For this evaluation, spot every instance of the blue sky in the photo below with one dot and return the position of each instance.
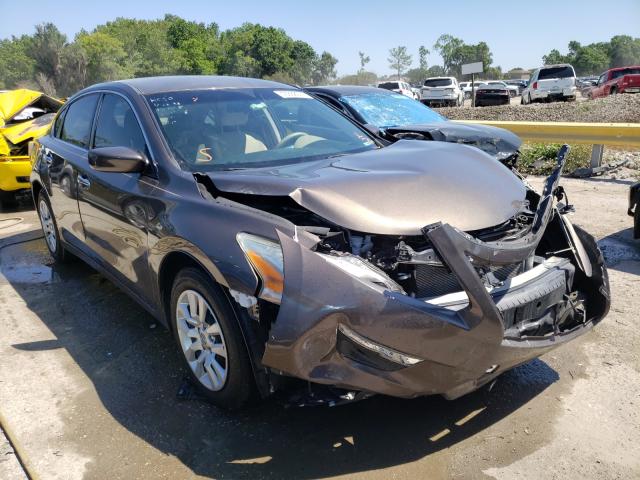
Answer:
(518, 32)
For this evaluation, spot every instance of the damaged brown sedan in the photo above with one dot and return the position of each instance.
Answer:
(281, 242)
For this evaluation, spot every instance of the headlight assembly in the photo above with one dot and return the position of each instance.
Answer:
(265, 257)
(363, 270)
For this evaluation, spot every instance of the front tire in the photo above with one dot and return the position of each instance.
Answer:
(210, 341)
(636, 222)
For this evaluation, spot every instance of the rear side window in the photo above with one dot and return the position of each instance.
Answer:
(626, 71)
(389, 85)
(117, 125)
(556, 72)
(76, 128)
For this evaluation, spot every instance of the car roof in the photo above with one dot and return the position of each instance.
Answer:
(556, 65)
(173, 83)
(343, 90)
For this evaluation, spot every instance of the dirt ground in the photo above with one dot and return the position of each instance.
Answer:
(88, 386)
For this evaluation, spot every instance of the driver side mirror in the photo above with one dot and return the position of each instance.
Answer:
(117, 160)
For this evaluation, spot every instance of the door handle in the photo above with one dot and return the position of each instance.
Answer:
(83, 182)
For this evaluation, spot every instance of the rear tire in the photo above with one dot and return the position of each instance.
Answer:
(50, 228)
(210, 341)
(636, 222)
(614, 91)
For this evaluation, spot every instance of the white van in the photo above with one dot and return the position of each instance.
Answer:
(551, 83)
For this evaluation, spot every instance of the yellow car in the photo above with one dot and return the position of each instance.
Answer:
(24, 116)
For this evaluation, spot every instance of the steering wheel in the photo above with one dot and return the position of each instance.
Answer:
(290, 139)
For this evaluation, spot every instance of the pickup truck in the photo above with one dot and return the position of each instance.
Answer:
(617, 80)
(551, 83)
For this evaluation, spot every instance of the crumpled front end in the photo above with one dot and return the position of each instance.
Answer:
(24, 116)
(444, 318)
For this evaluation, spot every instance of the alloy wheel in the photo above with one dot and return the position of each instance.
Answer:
(48, 227)
(202, 340)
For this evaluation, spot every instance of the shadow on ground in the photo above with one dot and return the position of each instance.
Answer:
(135, 371)
(619, 249)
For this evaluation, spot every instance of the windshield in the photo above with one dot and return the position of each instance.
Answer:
(390, 110)
(244, 128)
(437, 82)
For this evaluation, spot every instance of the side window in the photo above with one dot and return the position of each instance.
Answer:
(117, 125)
(57, 128)
(76, 127)
(603, 78)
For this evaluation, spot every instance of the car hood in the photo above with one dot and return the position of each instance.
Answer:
(393, 190)
(497, 142)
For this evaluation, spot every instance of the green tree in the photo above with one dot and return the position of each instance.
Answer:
(361, 78)
(324, 68)
(554, 57)
(147, 45)
(73, 70)
(46, 48)
(450, 49)
(624, 50)
(198, 44)
(17, 67)
(436, 71)
(106, 58)
(455, 53)
(304, 61)
(399, 60)
(423, 52)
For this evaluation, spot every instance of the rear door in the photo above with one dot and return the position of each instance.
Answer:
(64, 152)
(116, 207)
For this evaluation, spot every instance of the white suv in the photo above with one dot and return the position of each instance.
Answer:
(442, 91)
(399, 87)
(551, 83)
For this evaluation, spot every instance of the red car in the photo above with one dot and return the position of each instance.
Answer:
(617, 80)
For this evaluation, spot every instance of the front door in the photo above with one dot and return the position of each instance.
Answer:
(114, 206)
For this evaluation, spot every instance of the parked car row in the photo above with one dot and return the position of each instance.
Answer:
(346, 237)
(399, 87)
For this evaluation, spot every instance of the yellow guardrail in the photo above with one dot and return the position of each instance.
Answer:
(620, 134)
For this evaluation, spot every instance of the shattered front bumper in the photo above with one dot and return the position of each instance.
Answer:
(333, 328)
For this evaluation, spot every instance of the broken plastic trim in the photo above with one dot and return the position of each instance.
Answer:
(456, 249)
(385, 352)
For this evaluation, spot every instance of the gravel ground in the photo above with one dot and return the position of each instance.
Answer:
(617, 108)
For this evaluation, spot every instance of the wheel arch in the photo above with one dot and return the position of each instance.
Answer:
(36, 187)
(177, 260)
(170, 265)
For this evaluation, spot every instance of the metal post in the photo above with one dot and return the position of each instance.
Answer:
(473, 89)
(596, 155)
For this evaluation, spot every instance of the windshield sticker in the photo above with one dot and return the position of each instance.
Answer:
(291, 94)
